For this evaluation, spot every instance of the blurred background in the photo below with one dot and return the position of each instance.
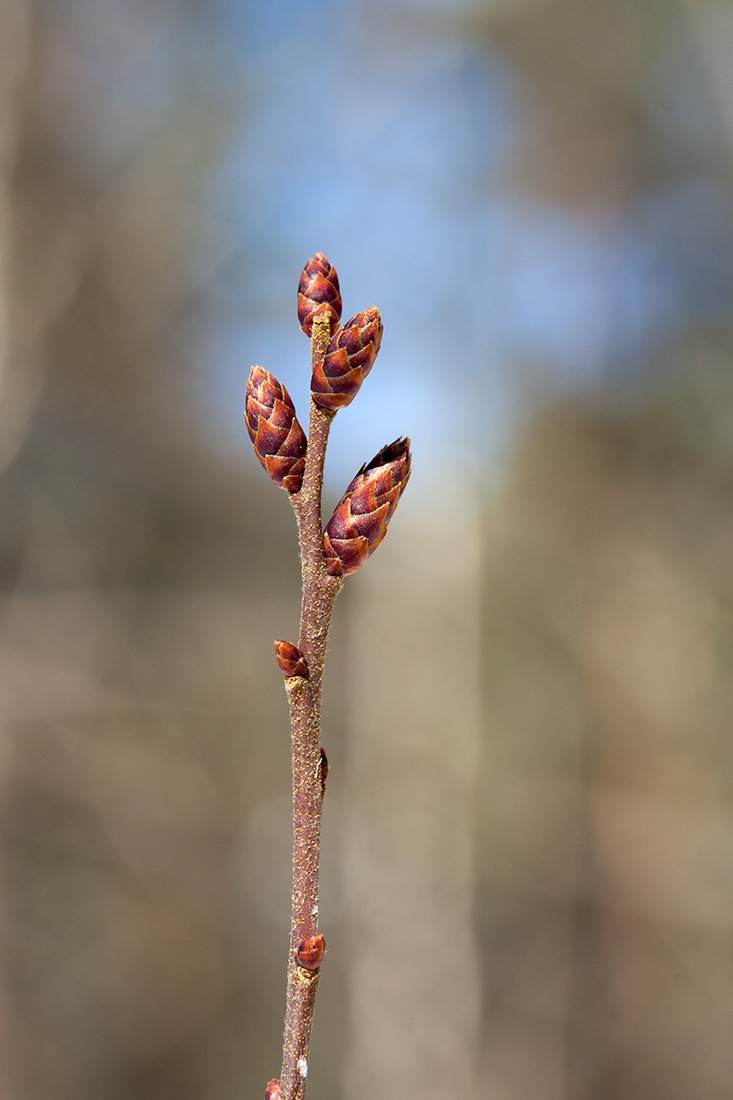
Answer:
(528, 852)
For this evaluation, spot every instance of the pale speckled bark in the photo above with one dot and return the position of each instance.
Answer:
(319, 593)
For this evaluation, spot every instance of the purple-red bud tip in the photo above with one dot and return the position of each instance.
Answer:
(311, 952)
(279, 441)
(360, 520)
(318, 293)
(337, 378)
(291, 660)
(272, 1089)
(324, 767)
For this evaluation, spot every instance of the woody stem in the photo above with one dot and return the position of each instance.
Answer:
(304, 695)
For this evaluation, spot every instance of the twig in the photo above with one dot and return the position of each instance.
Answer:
(319, 592)
(339, 364)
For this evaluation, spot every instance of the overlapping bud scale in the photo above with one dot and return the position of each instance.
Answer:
(360, 520)
(311, 952)
(337, 377)
(278, 438)
(318, 293)
(291, 660)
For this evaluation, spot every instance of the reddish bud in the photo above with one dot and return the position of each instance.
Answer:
(272, 1090)
(278, 438)
(359, 523)
(311, 952)
(337, 377)
(324, 768)
(318, 292)
(291, 660)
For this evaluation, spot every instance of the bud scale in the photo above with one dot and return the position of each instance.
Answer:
(318, 293)
(360, 520)
(337, 378)
(291, 660)
(311, 952)
(279, 441)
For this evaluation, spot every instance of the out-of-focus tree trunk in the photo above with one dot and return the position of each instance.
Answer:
(16, 396)
(18, 378)
(415, 729)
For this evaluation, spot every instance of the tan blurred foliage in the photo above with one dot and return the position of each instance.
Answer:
(607, 809)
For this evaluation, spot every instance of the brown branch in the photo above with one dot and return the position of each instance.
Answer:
(356, 528)
(319, 592)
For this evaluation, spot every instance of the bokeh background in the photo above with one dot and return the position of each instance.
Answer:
(528, 852)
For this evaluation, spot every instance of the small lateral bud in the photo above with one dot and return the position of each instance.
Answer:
(291, 660)
(318, 292)
(279, 441)
(311, 952)
(272, 1089)
(360, 520)
(337, 378)
(324, 768)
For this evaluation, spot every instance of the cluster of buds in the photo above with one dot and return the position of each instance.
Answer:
(341, 359)
(360, 521)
